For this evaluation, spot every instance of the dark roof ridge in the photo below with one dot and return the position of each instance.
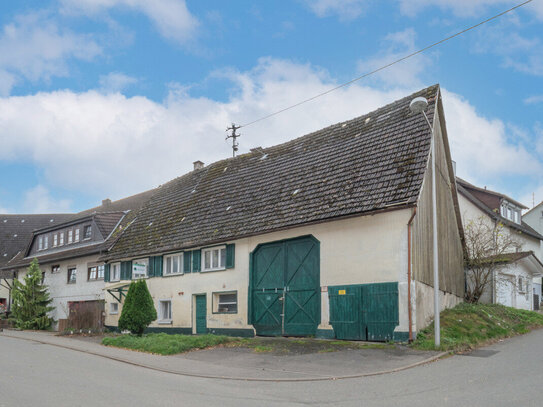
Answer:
(466, 184)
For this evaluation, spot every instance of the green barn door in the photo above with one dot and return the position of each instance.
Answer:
(380, 306)
(201, 314)
(345, 312)
(302, 282)
(285, 288)
(267, 289)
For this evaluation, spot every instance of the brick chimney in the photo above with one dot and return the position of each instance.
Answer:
(106, 202)
(198, 165)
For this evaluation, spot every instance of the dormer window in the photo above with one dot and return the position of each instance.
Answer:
(40, 243)
(87, 232)
(45, 242)
(510, 211)
(76, 239)
(55, 240)
(70, 236)
(61, 238)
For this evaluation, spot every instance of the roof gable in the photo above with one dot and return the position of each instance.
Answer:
(374, 162)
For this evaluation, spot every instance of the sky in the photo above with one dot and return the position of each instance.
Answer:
(107, 98)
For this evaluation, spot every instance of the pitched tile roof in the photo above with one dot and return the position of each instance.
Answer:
(16, 231)
(374, 162)
(522, 227)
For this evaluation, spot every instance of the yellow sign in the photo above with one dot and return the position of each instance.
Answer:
(341, 292)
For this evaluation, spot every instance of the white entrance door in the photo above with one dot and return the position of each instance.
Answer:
(506, 293)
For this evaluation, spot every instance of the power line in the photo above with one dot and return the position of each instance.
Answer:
(387, 65)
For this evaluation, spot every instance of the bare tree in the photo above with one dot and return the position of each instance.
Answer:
(488, 245)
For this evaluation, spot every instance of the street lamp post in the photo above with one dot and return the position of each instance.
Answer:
(419, 105)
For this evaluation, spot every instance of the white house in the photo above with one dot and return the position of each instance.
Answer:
(534, 218)
(512, 283)
(326, 235)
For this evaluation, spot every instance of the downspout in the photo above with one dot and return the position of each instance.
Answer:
(409, 311)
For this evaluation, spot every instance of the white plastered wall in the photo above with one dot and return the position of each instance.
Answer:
(360, 250)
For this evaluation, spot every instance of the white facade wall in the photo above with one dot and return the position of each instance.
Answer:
(367, 249)
(61, 292)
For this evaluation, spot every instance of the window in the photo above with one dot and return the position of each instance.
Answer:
(214, 258)
(520, 284)
(115, 272)
(61, 238)
(165, 311)
(139, 268)
(76, 238)
(70, 236)
(87, 232)
(55, 269)
(509, 213)
(45, 242)
(225, 302)
(503, 211)
(101, 269)
(113, 308)
(173, 264)
(72, 275)
(42, 276)
(96, 273)
(40, 243)
(55, 240)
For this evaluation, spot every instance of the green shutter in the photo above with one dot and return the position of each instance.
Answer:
(106, 272)
(196, 262)
(186, 262)
(230, 255)
(126, 270)
(158, 266)
(151, 267)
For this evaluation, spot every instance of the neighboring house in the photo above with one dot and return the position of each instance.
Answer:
(534, 218)
(15, 233)
(512, 284)
(326, 235)
(68, 255)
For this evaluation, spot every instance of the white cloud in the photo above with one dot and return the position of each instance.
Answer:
(171, 18)
(465, 8)
(394, 46)
(116, 82)
(39, 200)
(345, 9)
(33, 47)
(113, 145)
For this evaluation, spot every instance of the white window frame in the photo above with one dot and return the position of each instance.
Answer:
(210, 250)
(217, 302)
(113, 267)
(70, 236)
(113, 305)
(61, 239)
(161, 316)
(170, 258)
(40, 243)
(76, 235)
(85, 231)
(55, 240)
(141, 261)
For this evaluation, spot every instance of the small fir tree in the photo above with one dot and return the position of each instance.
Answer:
(138, 309)
(31, 301)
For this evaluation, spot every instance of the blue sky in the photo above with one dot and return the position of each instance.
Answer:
(106, 98)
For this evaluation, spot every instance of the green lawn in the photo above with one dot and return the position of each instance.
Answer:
(467, 326)
(165, 344)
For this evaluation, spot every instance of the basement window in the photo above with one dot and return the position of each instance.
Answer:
(113, 308)
(214, 258)
(165, 311)
(225, 302)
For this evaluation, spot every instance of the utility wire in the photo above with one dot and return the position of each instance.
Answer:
(386, 66)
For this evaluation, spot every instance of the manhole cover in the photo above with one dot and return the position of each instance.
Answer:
(481, 353)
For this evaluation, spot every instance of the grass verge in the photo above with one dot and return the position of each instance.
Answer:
(468, 326)
(166, 344)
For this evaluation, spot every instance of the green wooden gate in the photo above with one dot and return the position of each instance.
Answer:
(201, 314)
(364, 311)
(285, 288)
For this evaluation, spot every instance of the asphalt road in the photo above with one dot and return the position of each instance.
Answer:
(507, 373)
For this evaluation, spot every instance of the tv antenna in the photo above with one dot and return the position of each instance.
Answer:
(233, 136)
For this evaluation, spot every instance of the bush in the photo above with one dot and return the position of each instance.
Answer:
(138, 309)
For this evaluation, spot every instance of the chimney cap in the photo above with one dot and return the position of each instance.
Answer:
(106, 202)
(198, 164)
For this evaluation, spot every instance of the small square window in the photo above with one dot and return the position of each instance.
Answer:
(225, 302)
(55, 269)
(173, 264)
(113, 308)
(165, 311)
(72, 275)
(87, 232)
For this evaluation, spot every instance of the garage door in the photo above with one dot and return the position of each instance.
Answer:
(285, 288)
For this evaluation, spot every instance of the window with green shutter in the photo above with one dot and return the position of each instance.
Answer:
(187, 262)
(155, 266)
(196, 266)
(106, 272)
(126, 270)
(230, 255)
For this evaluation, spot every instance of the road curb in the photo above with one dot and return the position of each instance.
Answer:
(245, 379)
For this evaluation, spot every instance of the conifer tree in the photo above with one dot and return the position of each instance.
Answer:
(31, 301)
(138, 309)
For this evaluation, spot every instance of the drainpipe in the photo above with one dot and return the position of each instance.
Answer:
(409, 311)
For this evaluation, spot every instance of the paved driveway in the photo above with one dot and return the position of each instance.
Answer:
(507, 373)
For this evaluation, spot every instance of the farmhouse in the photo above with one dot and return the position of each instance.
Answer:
(68, 252)
(328, 235)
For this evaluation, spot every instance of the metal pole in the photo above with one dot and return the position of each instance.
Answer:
(437, 324)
